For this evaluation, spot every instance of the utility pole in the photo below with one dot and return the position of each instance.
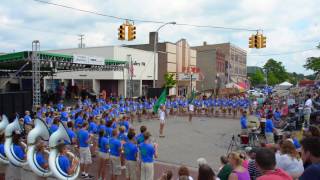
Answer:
(81, 45)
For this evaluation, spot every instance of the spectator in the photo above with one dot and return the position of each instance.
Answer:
(289, 159)
(202, 161)
(239, 172)
(252, 167)
(206, 173)
(307, 112)
(226, 168)
(311, 153)
(167, 175)
(183, 173)
(314, 131)
(147, 152)
(245, 161)
(266, 162)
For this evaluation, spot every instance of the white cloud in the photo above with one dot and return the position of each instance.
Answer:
(289, 24)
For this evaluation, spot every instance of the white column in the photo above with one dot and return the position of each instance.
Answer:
(125, 88)
(96, 86)
(140, 91)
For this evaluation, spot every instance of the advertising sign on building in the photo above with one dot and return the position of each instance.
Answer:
(84, 59)
(184, 76)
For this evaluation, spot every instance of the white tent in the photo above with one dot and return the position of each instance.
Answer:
(284, 85)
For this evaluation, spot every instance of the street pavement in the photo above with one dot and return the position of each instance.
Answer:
(183, 144)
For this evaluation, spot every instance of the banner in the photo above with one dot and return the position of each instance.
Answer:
(161, 100)
(90, 60)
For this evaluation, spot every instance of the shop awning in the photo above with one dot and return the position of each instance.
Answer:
(12, 61)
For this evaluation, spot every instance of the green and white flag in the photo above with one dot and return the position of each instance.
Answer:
(161, 100)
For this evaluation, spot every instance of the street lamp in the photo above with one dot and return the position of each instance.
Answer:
(155, 51)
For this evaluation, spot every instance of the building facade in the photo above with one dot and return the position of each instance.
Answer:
(174, 58)
(235, 61)
(131, 81)
(212, 65)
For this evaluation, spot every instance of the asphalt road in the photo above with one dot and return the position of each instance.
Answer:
(183, 144)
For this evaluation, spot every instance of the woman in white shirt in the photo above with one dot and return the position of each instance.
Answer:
(162, 118)
(289, 159)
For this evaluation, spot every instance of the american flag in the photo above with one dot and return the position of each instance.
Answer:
(131, 69)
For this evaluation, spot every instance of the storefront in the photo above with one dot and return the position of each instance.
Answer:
(133, 80)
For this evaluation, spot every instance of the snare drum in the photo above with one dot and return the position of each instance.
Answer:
(278, 137)
(244, 139)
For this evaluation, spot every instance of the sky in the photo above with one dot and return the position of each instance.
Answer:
(292, 27)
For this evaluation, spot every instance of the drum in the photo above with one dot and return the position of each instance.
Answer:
(244, 139)
(262, 126)
(278, 137)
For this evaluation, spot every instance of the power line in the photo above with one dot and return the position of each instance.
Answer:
(37, 30)
(143, 20)
(284, 53)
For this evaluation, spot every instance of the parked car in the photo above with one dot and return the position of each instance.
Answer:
(255, 93)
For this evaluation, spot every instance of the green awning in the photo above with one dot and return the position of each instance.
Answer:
(24, 55)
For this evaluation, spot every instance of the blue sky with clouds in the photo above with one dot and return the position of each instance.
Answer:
(290, 25)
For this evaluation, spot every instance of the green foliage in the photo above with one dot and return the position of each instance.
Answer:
(313, 63)
(272, 79)
(169, 80)
(294, 78)
(257, 78)
(311, 77)
(276, 72)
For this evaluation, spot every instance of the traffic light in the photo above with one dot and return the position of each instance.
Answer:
(122, 32)
(131, 32)
(251, 41)
(263, 41)
(258, 44)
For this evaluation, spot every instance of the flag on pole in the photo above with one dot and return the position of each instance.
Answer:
(161, 100)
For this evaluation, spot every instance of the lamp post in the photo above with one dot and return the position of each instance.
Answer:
(191, 73)
(155, 51)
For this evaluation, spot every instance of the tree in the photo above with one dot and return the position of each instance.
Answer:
(257, 78)
(272, 79)
(169, 80)
(276, 71)
(294, 78)
(313, 63)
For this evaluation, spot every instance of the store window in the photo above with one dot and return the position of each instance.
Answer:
(84, 83)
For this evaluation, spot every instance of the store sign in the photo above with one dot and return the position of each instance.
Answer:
(184, 76)
(90, 60)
